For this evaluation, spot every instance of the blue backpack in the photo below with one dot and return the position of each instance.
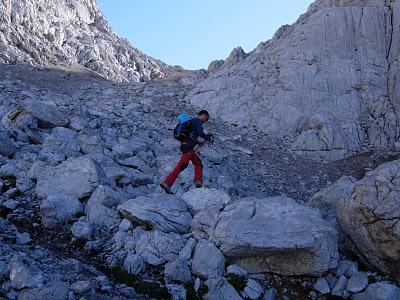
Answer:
(182, 130)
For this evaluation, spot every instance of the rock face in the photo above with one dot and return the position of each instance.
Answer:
(329, 81)
(371, 217)
(71, 33)
(276, 235)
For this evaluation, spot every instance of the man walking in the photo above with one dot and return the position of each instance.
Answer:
(189, 145)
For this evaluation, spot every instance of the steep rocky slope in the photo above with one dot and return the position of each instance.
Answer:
(329, 82)
(71, 33)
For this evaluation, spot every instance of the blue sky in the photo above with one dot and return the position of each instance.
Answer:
(192, 33)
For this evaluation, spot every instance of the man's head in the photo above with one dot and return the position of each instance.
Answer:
(203, 115)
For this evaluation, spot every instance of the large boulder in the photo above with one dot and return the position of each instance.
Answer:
(370, 217)
(166, 213)
(46, 113)
(198, 199)
(76, 177)
(327, 200)
(276, 235)
(58, 209)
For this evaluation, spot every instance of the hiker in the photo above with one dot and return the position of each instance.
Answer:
(190, 133)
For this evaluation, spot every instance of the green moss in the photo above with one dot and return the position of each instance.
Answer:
(152, 289)
(123, 276)
(238, 282)
(191, 294)
(202, 290)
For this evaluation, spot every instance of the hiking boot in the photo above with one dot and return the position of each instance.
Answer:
(198, 184)
(166, 188)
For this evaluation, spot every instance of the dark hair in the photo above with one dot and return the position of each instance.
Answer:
(204, 112)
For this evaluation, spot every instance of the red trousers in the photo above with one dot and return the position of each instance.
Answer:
(183, 164)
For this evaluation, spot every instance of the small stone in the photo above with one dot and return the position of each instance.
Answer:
(81, 230)
(81, 287)
(125, 225)
(177, 270)
(322, 286)
(253, 289)
(134, 264)
(340, 286)
(357, 283)
(23, 238)
(235, 269)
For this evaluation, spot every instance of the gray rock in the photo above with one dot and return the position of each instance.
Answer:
(58, 209)
(204, 221)
(56, 291)
(78, 177)
(370, 217)
(235, 269)
(327, 200)
(81, 230)
(78, 123)
(340, 286)
(125, 225)
(187, 251)
(253, 289)
(346, 267)
(198, 199)
(379, 291)
(178, 270)
(23, 238)
(60, 144)
(166, 213)
(81, 287)
(100, 216)
(7, 146)
(46, 113)
(357, 283)
(22, 276)
(276, 235)
(270, 294)
(322, 286)
(134, 264)
(177, 292)
(220, 289)
(208, 261)
(157, 247)
(105, 195)
(90, 144)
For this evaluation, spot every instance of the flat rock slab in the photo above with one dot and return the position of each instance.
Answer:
(198, 199)
(166, 213)
(276, 235)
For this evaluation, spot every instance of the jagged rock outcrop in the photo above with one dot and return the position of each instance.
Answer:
(329, 82)
(71, 33)
(371, 217)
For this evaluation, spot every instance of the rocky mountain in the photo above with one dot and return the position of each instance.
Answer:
(82, 215)
(329, 83)
(71, 33)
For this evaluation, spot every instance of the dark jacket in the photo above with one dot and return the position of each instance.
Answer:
(196, 131)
